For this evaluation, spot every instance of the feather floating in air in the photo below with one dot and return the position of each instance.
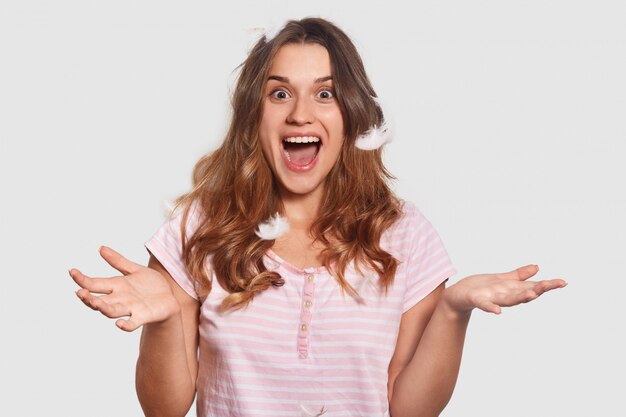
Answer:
(273, 227)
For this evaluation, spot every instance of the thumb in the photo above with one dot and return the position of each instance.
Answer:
(129, 325)
(117, 261)
(522, 273)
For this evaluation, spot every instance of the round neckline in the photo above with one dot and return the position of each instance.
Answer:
(308, 270)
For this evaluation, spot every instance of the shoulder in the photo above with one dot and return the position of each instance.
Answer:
(411, 233)
(411, 218)
(409, 210)
(189, 214)
(167, 243)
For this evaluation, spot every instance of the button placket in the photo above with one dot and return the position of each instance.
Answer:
(306, 315)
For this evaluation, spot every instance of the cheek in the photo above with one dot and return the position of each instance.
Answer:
(266, 148)
(265, 133)
(271, 120)
(333, 119)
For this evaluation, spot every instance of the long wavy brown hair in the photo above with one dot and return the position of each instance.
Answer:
(235, 189)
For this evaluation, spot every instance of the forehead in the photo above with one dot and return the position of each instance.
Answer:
(309, 60)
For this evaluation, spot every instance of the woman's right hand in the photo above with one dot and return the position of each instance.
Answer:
(141, 293)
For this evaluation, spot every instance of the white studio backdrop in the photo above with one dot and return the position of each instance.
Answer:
(510, 138)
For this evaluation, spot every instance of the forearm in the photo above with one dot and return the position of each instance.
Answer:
(425, 385)
(165, 386)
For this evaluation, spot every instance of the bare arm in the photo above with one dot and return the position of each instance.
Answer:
(149, 297)
(425, 385)
(168, 365)
(412, 327)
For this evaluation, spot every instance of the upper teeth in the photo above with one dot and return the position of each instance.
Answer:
(303, 139)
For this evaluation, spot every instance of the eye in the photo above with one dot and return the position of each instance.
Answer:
(326, 94)
(279, 94)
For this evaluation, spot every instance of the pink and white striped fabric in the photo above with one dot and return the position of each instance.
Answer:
(304, 349)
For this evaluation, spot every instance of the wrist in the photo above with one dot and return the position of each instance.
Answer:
(169, 313)
(447, 308)
(172, 323)
(173, 312)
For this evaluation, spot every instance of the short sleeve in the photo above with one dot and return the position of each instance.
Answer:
(427, 262)
(166, 246)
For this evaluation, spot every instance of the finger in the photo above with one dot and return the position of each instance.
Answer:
(128, 325)
(115, 298)
(98, 285)
(549, 285)
(119, 262)
(525, 296)
(82, 295)
(488, 306)
(521, 273)
(530, 293)
(87, 298)
(113, 311)
(110, 310)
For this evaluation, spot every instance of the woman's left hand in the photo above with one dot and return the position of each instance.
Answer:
(490, 292)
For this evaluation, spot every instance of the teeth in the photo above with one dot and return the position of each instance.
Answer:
(302, 139)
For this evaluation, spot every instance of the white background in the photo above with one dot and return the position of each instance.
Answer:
(510, 138)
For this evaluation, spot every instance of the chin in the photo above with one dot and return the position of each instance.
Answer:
(300, 186)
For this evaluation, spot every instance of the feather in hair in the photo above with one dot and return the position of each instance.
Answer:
(374, 138)
(377, 136)
(272, 228)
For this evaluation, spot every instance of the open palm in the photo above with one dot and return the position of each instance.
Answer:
(142, 294)
(491, 292)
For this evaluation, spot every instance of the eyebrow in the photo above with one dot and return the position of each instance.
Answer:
(286, 80)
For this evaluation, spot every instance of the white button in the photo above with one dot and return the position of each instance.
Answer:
(308, 303)
(309, 278)
(303, 327)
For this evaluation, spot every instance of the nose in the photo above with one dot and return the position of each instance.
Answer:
(301, 113)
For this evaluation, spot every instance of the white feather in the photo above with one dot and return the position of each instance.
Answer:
(374, 138)
(377, 136)
(273, 227)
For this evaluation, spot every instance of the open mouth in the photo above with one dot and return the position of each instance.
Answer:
(302, 150)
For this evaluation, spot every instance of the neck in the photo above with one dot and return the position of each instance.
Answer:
(301, 209)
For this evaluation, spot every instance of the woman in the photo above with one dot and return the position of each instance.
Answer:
(345, 312)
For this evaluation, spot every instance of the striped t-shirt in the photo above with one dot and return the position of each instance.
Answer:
(304, 349)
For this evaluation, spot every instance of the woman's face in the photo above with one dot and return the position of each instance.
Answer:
(301, 129)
